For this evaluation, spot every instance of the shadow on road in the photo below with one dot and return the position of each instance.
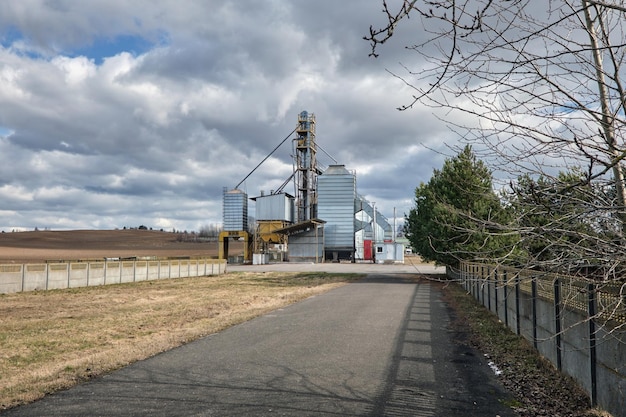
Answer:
(433, 371)
(379, 347)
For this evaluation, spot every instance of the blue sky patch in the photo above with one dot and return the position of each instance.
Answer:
(9, 36)
(103, 48)
(5, 131)
(99, 49)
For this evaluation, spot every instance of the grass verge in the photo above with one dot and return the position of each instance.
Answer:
(540, 389)
(53, 340)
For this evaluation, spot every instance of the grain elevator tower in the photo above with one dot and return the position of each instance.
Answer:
(306, 167)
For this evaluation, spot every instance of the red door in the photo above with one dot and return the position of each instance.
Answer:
(367, 250)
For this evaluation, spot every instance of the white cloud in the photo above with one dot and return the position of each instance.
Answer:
(105, 138)
(76, 70)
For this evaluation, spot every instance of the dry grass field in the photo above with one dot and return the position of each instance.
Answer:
(50, 340)
(38, 246)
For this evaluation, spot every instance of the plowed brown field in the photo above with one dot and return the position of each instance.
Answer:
(40, 246)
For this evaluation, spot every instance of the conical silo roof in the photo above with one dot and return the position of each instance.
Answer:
(336, 170)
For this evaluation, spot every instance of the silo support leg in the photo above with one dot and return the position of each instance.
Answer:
(223, 246)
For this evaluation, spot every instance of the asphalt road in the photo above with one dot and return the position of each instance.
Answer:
(357, 268)
(378, 347)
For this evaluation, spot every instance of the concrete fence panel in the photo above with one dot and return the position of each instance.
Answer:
(35, 277)
(489, 293)
(501, 297)
(576, 349)
(112, 272)
(511, 319)
(127, 274)
(545, 329)
(141, 271)
(79, 275)
(58, 276)
(13, 278)
(174, 269)
(525, 315)
(164, 270)
(153, 270)
(184, 269)
(611, 368)
(96, 273)
(580, 326)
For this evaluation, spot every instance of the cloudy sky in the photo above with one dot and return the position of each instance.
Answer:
(116, 113)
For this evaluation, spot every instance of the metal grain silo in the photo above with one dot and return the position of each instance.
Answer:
(336, 194)
(273, 212)
(275, 207)
(235, 210)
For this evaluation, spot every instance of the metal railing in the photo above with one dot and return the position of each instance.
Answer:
(577, 324)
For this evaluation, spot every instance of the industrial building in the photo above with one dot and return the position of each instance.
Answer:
(326, 221)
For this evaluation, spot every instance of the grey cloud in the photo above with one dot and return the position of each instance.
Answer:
(153, 138)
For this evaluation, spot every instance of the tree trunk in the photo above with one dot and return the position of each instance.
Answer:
(607, 118)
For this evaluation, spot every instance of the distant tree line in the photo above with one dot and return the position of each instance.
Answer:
(210, 230)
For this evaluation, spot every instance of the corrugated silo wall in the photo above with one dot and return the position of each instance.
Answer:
(336, 192)
(235, 210)
(274, 207)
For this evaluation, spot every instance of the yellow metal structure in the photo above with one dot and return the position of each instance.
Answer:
(239, 235)
(265, 234)
(266, 230)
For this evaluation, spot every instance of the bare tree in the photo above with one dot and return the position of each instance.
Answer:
(536, 88)
(541, 84)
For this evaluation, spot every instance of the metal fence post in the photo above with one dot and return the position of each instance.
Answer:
(488, 281)
(592, 344)
(506, 299)
(496, 281)
(482, 285)
(473, 280)
(557, 322)
(518, 328)
(476, 283)
(533, 296)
